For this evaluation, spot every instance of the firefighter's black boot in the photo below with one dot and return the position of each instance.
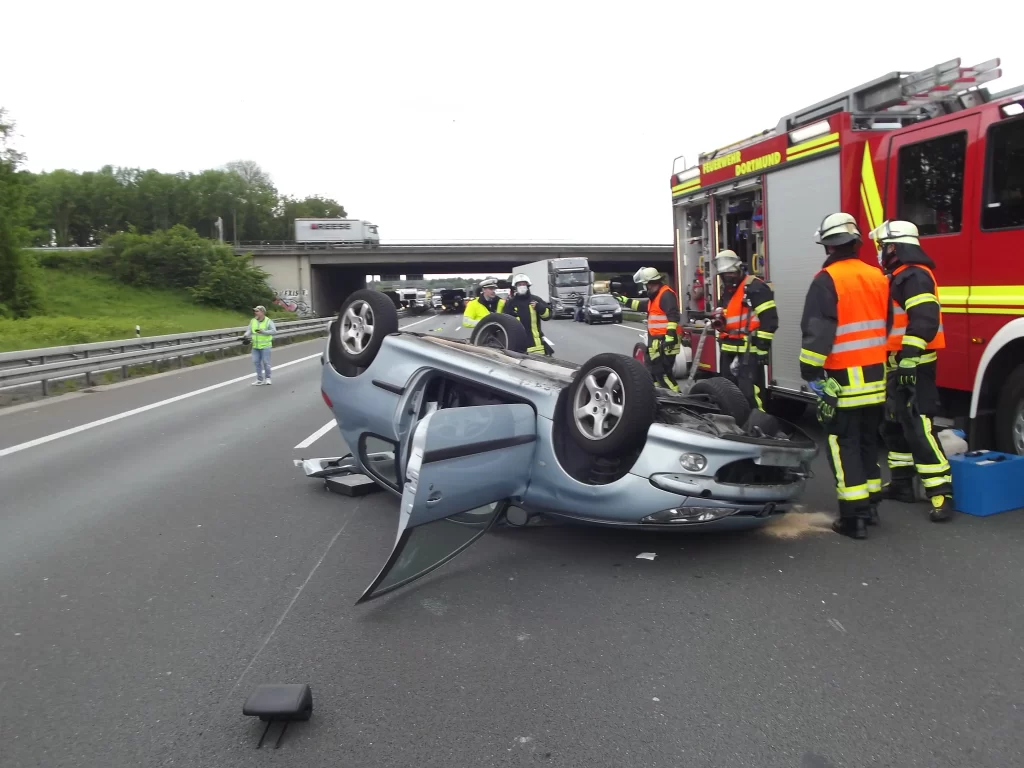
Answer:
(854, 527)
(900, 489)
(873, 518)
(942, 509)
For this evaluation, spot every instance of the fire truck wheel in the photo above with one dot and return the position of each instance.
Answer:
(1010, 422)
(640, 352)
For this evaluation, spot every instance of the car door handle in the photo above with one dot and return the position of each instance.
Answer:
(433, 498)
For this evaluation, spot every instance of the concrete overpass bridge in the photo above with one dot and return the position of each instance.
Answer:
(324, 277)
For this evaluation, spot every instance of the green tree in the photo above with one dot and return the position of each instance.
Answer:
(19, 285)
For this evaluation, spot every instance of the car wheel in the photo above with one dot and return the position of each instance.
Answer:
(500, 332)
(366, 317)
(770, 426)
(640, 353)
(611, 405)
(725, 395)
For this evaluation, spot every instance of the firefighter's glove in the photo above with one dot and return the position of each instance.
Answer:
(827, 391)
(906, 374)
(671, 339)
(654, 347)
(621, 299)
(734, 366)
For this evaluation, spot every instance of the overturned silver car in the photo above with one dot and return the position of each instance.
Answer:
(473, 433)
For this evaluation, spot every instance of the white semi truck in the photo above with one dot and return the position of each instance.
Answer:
(560, 282)
(336, 233)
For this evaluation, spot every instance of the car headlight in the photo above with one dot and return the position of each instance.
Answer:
(693, 462)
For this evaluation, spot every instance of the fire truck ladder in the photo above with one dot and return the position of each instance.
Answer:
(902, 97)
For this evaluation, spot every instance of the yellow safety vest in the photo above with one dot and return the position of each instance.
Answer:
(477, 311)
(260, 340)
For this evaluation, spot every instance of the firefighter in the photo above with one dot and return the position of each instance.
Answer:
(846, 318)
(912, 395)
(662, 308)
(488, 301)
(747, 322)
(529, 310)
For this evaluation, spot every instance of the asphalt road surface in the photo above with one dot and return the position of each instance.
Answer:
(160, 563)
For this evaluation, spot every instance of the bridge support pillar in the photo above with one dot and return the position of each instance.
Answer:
(331, 285)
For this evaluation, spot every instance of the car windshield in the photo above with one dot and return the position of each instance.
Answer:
(569, 279)
(601, 301)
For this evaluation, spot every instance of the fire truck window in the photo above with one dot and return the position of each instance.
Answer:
(932, 184)
(1004, 177)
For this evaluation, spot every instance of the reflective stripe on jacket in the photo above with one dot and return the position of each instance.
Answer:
(862, 310)
(898, 337)
(844, 330)
(734, 338)
(657, 320)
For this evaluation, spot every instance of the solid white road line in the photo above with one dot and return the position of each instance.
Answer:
(151, 406)
(410, 325)
(318, 434)
(143, 409)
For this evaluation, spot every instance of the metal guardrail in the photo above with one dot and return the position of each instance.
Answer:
(44, 365)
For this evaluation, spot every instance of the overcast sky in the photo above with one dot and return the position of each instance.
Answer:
(453, 121)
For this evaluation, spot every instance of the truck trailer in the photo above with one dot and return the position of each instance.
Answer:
(932, 148)
(560, 282)
(336, 233)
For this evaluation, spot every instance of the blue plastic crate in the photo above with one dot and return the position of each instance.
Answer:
(987, 482)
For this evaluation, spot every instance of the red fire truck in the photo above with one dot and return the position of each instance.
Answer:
(933, 148)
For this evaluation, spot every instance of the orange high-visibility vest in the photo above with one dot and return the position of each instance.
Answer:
(657, 321)
(899, 318)
(863, 305)
(737, 314)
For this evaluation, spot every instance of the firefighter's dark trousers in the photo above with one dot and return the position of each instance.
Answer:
(910, 436)
(750, 379)
(852, 447)
(661, 371)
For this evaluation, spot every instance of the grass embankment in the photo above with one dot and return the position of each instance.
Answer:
(84, 306)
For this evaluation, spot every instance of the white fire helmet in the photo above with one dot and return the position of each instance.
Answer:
(727, 261)
(646, 275)
(838, 229)
(895, 232)
(521, 278)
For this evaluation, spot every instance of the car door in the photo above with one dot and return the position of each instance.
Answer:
(463, 464)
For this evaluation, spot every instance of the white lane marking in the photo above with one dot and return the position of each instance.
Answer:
(318, 434)
(410, 325)
(151, 406)
(142, 409)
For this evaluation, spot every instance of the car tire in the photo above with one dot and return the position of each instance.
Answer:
(632, 392)
(362, 308)
(770, 425)
(500, 331)
(725, 395)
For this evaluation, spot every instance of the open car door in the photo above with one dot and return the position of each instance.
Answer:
(463, 465)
